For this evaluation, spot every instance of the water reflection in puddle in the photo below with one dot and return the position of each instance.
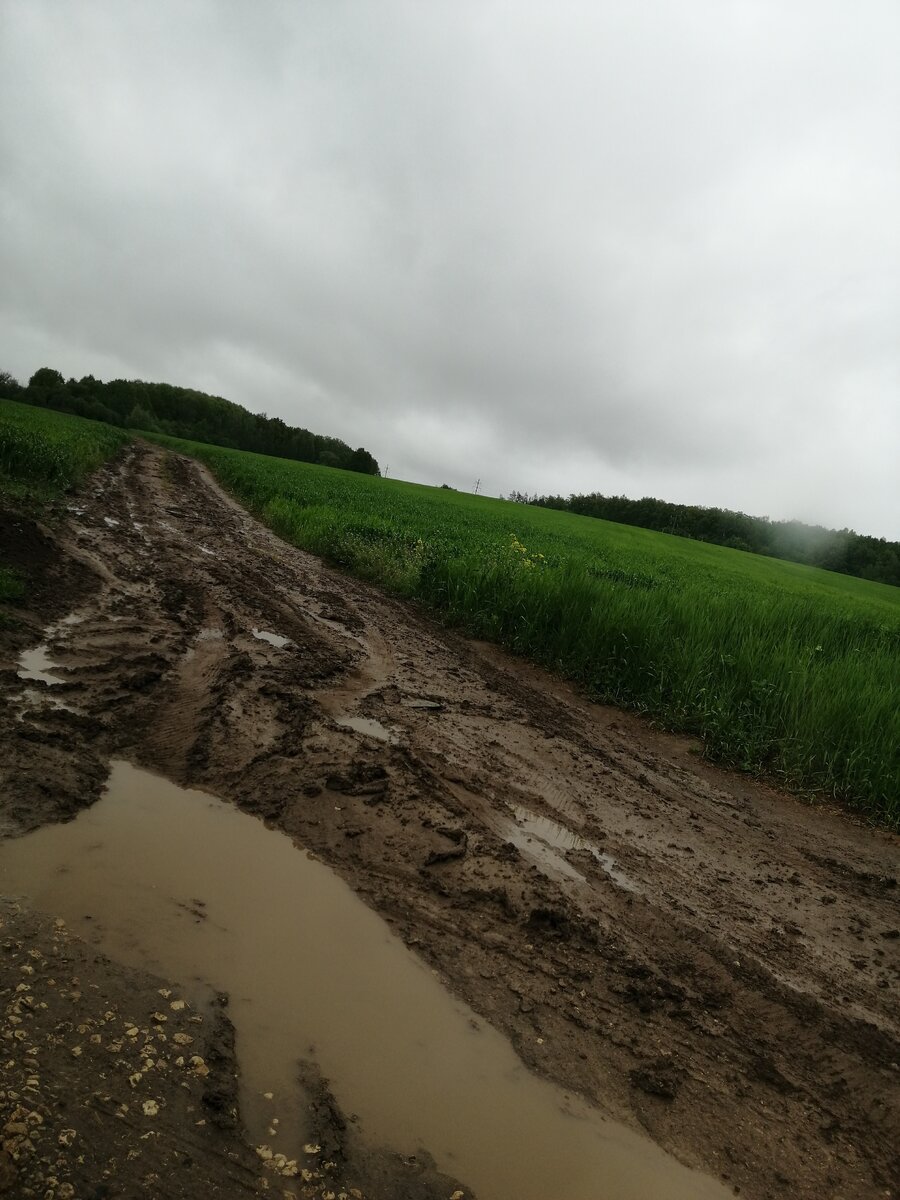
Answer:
(551, 863)
(545, 842)
(310, 969)
(368, 726)
(274, 639)
(552, 834)
(36, 664)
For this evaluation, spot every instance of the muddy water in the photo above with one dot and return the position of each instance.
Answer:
(180, 883)
(550, 836)
(546, 841)
(368, 726)
(37, 666)
(278, 640)
(540, 850)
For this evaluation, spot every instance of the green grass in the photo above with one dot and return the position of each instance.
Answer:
(783, 670)
(42, 453)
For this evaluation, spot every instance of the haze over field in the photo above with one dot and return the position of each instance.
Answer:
(636, 247)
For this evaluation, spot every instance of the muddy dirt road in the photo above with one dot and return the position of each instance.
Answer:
(702, 958)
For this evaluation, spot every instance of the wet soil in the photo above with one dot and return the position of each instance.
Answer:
(701, 957)
(96, 1097)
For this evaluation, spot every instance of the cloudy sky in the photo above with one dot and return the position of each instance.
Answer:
(628, 246)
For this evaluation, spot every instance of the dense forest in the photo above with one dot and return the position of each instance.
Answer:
(834, 549)
(185, 413)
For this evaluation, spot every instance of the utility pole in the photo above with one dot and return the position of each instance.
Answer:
(477, 486)
(386, 469)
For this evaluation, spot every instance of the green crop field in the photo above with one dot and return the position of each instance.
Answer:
(781, 669)
(43, 452)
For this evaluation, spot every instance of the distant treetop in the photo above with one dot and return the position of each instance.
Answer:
(184, 413)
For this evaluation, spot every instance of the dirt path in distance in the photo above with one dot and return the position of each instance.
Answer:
(701, 956)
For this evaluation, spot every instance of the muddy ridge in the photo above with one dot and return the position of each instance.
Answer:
(701, 957)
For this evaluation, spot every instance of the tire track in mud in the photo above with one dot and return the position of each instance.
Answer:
(739, 1003)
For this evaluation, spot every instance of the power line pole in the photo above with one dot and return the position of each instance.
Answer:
(477, 486)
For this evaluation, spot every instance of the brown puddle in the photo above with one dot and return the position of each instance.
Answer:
(182, 884)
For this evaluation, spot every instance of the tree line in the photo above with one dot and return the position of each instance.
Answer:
(183, 413)
(840, 550)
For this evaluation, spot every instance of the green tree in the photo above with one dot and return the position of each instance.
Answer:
(46, 377)
(362, 460)
(9, 386)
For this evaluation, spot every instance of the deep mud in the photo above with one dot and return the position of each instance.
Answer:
(702, 957)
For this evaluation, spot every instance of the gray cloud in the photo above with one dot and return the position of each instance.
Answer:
(635, 247)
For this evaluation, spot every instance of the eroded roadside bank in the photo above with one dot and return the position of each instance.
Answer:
(702, 958)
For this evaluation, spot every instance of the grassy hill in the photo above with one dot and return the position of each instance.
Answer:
(781, 669)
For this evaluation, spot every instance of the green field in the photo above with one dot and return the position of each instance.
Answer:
(781, 669)
(43, 452)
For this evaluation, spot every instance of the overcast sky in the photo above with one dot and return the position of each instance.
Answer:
(639, 247)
